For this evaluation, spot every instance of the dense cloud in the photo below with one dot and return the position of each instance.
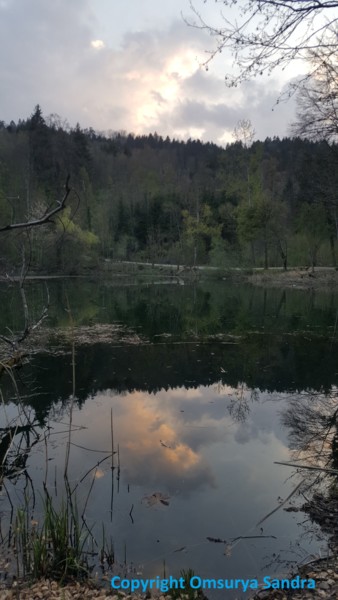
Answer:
(51, 55)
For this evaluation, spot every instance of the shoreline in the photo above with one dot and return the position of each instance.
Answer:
(323, 278)
(323, 570)
(325, 573)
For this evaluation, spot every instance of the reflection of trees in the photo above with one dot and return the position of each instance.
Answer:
(312, 420)
(17, 439)
(260, 361)
(180, 310)
(15, 444)
(239, 408)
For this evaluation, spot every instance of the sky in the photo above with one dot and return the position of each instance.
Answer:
(130, 65)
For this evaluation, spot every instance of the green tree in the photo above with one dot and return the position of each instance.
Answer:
(199, 233)
(77, 247)
(253, 222)
(41, 153)
(280, 232)
(313, 224)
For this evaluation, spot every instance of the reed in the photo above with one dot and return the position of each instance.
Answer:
(60, 545)
(56, 548)
(189, 593)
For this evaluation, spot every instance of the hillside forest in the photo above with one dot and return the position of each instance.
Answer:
(272, 203)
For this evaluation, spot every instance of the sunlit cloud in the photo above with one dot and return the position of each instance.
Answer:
(183, 65)
(151, 81)
(97, 44)
(174, 456)
(98, 474)
(152, 443)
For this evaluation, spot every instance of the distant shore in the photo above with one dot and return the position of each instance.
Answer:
(323, 278)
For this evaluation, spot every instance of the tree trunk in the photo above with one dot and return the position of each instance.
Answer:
(266, 261)
(195, 255)
(333, 251)
(284, 255)
(253, 253)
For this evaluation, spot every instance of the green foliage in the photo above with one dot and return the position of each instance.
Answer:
(249, 223)
(87, 238)
(224, 255)
(228, 219)
(188, 593)
(312, 221)
(54, 549)
(199, 234)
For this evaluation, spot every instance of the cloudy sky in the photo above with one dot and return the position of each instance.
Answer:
(130, 65)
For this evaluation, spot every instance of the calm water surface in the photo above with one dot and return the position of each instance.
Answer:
(201, 408)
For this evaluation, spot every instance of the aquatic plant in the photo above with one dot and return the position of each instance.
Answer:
(189, 592)
(56, 548)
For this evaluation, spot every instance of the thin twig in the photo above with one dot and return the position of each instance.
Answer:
(281, 504)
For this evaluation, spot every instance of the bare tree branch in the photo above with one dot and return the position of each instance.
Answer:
(45, 218)
(266, 34)
(26, 227)
(317, 114)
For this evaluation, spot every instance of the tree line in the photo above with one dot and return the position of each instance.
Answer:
(267, 203)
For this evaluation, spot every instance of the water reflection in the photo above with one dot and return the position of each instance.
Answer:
(313, 429)
(217, 474)
(214, 472)
(181, 311)
(198, 424)
(153, 445)
(283, 364)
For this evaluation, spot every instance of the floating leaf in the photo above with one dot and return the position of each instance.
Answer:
(170, 445)
(165, 445)
(156, 498)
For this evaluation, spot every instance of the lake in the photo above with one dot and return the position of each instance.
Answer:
(199, 389)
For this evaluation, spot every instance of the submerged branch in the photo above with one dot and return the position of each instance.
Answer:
(311, 468)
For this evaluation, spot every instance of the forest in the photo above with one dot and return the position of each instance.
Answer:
(270, 203)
